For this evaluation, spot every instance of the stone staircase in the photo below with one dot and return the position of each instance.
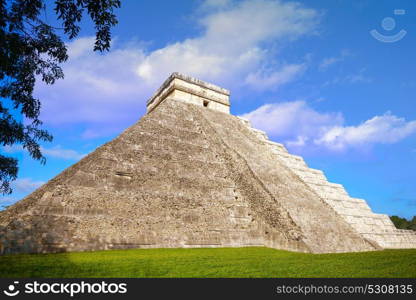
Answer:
(277, 195)
(356, 212)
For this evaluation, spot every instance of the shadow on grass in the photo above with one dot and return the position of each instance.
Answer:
(22, 242)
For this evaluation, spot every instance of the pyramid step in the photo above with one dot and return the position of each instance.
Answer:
(280, 148)
(245, 121)
(259, 133)
(328, 187)
(173, 120)
(161, 127)
(360, 207)
(328, 193)
(174, 117)
(292, 160)
(309, 172)
(314, 180)
(161, 153)
(293, 164)
(193, 194)
(195, 138)
(340, 198)
(198, 139)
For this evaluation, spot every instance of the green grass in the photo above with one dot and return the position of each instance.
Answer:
(210, 262)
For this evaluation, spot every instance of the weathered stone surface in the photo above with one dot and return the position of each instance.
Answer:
(191, 175)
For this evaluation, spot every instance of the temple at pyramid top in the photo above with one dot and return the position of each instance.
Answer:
(187, 89)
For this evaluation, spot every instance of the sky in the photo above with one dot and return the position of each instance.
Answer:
(333, 80)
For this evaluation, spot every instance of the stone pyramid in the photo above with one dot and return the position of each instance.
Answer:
(190, 174)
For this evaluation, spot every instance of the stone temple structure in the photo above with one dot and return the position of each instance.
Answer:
(190, 174)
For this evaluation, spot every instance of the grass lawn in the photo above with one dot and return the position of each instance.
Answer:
(210, 262)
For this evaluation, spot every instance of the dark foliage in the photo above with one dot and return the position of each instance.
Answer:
(30, 48)
(402, 223)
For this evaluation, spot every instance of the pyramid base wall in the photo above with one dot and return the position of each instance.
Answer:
(51, 234)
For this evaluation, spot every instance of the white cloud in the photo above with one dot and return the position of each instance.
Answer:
(358, 77)
(268, 80)
(4, 200)
(231, 44)
(329, 61)
(299, 142)
(292, 121)
(57, 152)
(97, 88)
(385, 129)
(108, 91)
(25, 185)
(301, 127)
(207, 4)
(12, 149)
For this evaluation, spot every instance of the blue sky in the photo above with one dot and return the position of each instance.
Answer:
(309, 73)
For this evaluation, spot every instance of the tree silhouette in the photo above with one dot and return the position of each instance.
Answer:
(30, 48)
(402, 223)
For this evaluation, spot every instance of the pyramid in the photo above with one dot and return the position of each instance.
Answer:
(190, 174)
